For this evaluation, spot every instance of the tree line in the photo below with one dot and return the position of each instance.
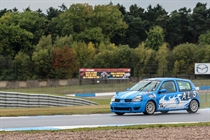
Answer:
(34, 45)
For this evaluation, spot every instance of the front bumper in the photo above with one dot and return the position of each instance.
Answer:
(131, 107)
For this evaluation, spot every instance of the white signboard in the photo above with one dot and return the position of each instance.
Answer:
(202, 68)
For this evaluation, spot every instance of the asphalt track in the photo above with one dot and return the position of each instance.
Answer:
(58, 122)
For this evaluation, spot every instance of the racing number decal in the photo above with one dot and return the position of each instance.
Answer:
(188, 94)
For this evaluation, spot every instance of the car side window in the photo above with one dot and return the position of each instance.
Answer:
(184, 85)
(169, 86)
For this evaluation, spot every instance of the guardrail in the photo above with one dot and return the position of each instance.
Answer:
(21, 100)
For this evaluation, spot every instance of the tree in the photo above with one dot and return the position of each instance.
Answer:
(122, 57)
(154, 14)
(82, 53)
(22, 30)
(202, 54)
(155, 38)
(85, 23)
(43, 58)
(185, 21)
(52, 13)
(122, 9)
(33, 23)
(7, 69)
(143, 61)
(177, 67)
(173, 30)
(91, 54)
(2, 12)
(64, 65)
(110, 19)
(63, 8)
(105, 56)
(76, 19)
(161, 58)
(178, 30)
(94, 35)
(136, 31)
(199, 23)
(63, 41)
(204, 39)
(91, 50)
(185, 57)
(104, 59)
(206, 58)
(23, 67)
(13, 37)
(107, 46)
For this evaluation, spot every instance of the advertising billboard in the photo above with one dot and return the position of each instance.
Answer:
(202, 68)
(104, 73)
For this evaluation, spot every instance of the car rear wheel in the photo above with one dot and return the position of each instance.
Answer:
(193, 107)
(150, 108)
(119, 113)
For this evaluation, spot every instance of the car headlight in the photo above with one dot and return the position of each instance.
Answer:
(113, 99)
(137, 99)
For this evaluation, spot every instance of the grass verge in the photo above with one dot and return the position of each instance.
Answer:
(143, 126)
(103, 107)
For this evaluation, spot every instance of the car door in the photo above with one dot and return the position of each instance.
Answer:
(167, 96)
(185, 92)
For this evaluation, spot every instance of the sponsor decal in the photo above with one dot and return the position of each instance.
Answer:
(173, 102)
(105, 73)
(189, 94)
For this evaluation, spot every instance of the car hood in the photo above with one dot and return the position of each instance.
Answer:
(131, 94)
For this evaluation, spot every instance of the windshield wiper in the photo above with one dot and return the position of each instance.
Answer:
(144, 86)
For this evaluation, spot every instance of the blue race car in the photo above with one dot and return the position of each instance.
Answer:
(157, 95)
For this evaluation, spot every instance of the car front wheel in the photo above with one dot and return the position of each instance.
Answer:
(150, 108)
(193, 107)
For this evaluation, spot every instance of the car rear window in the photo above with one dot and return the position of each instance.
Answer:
(184, 85)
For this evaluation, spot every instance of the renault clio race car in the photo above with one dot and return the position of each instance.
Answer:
(157, 95)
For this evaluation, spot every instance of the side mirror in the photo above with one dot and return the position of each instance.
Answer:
(162, 90)
(127, 89)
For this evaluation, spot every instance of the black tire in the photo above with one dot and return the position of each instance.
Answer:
(164, 112)
(193, 106)
(119, 113)
(150, 108)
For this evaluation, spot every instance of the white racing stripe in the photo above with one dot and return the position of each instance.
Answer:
(128, 94)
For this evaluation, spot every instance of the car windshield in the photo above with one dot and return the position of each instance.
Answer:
(145, 85)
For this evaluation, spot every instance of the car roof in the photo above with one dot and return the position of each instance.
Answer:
(166, 78)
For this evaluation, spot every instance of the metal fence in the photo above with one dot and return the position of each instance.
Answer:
(20, 100)
(71, 86)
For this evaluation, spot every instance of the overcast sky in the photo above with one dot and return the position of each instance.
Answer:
(168, 5)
